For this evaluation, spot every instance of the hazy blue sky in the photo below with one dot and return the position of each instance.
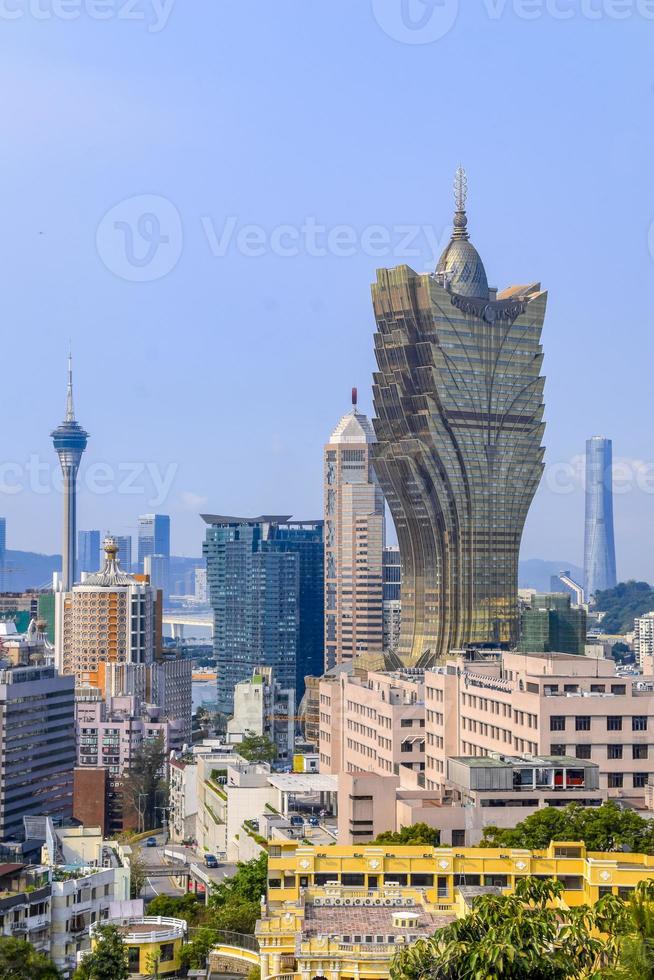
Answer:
(228, 366)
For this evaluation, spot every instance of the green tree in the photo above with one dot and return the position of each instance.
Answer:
(254, 973)
(417, 833)
(108, 958)
(631, 925)
(137, 872)
(185, 907)
(235, 903)
(509, 937)
(144, 787)
(257, 748)
(602, 828)
(20, 961)
(195, 952)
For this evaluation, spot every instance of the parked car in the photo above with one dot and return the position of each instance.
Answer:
(151, 842)
(210, 861)
(314, 822)
(296, 820)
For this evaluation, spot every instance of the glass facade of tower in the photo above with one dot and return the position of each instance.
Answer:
(459, 403)
(264, 578)
(599, 540)
(88, 551)
(153, 536)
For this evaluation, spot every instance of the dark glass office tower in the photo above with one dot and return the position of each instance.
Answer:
(88, 551)
(599, 540)
(265, 583)
(459, 403)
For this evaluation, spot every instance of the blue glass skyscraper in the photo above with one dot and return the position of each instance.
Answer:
(599, 542)
(264, 576)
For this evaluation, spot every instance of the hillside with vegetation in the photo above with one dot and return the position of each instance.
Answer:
(622, 603)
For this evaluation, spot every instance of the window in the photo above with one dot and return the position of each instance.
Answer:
(640, 780)
(582, 752)
(458, 838)
(639, 723)
(618, 688)
(615, 780)
(614, 723)
(357, 880)
(582, 723)
(422, 880)
(597, 688)
(639, 751)
(557, 749)
(572, 883)
(134, 964)
(557, 723)
(495, 881)
(167, 952)
(614, 752)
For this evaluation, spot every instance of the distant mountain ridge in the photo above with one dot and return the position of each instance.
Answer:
(535, 573)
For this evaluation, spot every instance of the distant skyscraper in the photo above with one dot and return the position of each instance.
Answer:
(354, 543)
(124, 542)
(265, 588)
(158, 568)
(69, 440)
(599, 542)
(88, 551)
(153, 536)
(459, 401)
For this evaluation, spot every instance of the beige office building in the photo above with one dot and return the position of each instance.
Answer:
(354, 544)
(543, 704)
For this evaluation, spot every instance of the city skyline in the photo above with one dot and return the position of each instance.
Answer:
(241, 302)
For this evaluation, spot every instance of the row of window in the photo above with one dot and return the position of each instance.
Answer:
(613, 723)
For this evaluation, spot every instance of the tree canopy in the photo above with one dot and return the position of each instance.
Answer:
(622, 603)
(602, 828)
(257, 748)
(20, 961)
(417, 833)
(107, 960)
(144, 787)
(508, 937)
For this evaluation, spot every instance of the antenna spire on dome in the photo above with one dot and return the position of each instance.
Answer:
(460, 198)
(355, 398)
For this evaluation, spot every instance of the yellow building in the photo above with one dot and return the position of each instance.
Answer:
(342, 912)
(154, 943)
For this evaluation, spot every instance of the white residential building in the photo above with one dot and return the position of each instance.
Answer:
(644, 639)
(263, 707)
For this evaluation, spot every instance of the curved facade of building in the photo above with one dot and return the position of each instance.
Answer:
(459, 423)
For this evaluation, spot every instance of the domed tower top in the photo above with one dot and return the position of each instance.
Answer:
(460, 265)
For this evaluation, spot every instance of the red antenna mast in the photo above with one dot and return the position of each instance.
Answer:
(355, 397)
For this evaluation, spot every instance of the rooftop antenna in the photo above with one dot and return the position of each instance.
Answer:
(355, 398)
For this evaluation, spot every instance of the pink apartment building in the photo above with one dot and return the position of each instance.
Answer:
(372, 722)
(549, 704)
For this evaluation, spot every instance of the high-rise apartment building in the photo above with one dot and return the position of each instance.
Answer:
(69, 440)
(354, 543)
(157, 568)
(37, 747)
(110, 617)
(458, 397)
(88, 551)
(599, 539)
(263, 576)
(153, 536)
(644, 639)
(392, 599)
